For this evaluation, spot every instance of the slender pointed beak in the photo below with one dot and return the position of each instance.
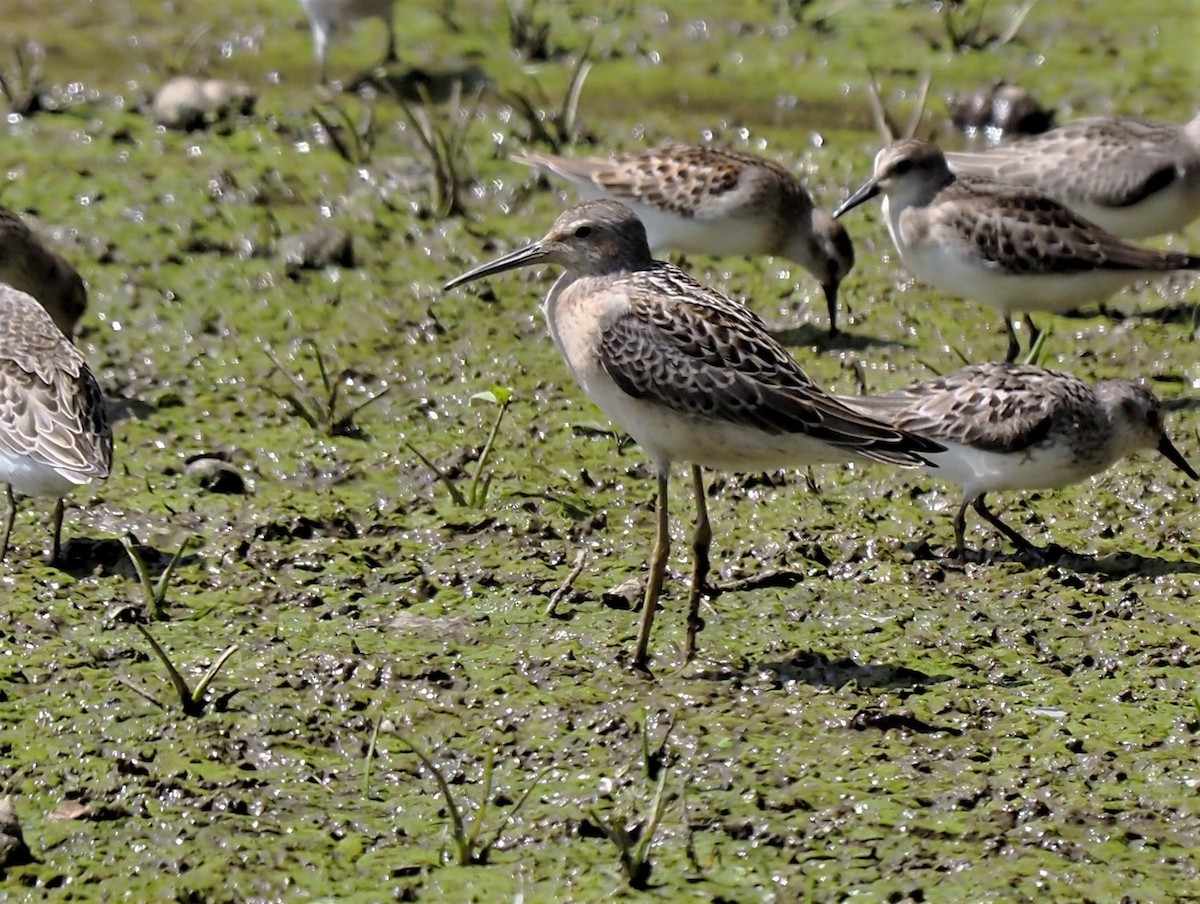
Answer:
(530, 254)
(1168, 450)
(869, 190)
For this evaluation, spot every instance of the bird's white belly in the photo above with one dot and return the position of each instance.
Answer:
(671, 436)
(1169, 210)
(1040, 468)
(31, 478)
(958, 274)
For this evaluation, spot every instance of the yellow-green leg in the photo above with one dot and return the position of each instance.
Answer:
(701, 542)
(55, 544)
(8, 522)
(658, 567)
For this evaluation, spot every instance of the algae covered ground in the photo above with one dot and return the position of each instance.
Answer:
(867, 719)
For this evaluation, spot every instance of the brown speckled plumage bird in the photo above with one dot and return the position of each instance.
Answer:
(1015, 426)
(54, 432)
(1007, 246)
(692, 375)
(697, 199)
(1131, 177)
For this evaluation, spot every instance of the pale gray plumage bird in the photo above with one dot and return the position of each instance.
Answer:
(692, 375)
(54, 432)
(1007, 246)
(1129, 176)
(1019, 427)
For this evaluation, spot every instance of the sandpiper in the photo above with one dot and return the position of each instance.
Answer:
(29, 265)
(692, 375)
(1005, 245)
(1129, 176)
(326, 16)
(54, 432)
(1018, 427)
(698, 199)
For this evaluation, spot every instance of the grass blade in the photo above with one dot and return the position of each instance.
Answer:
(181, 686)
(206, 680)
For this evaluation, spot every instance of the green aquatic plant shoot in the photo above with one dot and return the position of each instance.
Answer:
(477, 491)
(321, 412)
(468, 850)
(155, 594)
(191, 700)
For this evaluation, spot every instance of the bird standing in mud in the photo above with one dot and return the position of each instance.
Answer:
(691, 375)
(54, 432)
(1019, 427)
(1007, 246)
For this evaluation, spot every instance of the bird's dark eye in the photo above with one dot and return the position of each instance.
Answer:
(901, 167)
(583, 232)
(1152, 417)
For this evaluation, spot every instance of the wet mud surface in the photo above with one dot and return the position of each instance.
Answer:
(867, 718)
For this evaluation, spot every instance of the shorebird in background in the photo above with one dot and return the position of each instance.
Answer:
(326, 16)
(1018, 427)
(29, 265)
(697, 199)
(1129, 176)
(54, 433)
(1007, 246)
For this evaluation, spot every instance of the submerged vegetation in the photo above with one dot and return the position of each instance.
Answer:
(867, 718)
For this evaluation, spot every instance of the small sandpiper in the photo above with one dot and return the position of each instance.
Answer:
(698, 199)
(1018, 427)
(692, 375)
(54, 432)
(29, 265)
(1129, 176)
(1008, 246)
(326, 16)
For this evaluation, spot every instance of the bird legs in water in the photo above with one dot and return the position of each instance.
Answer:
(1014, 347)
(8, 521)
(56, 541)
(701, 540)
(56, 544)
(1024, 547)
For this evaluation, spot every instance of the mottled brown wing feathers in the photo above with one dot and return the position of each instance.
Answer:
(993, 407)
(51, 408)
(1031, 234)
(61, 423)
(1107, 162)
(704, 355)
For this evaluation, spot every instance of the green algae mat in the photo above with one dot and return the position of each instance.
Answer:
(378, 488)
